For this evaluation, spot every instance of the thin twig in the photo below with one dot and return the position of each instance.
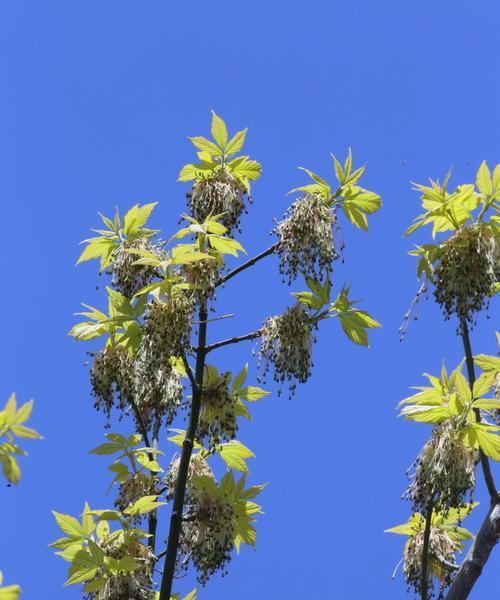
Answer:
(188, 370)
(234, 340)
(152, 519)
(247, 264)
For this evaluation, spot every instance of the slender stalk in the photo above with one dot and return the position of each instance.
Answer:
(187, 449)
(234, 340)
(424, 582)
(152, 519)
(469, 360)
(247, 264)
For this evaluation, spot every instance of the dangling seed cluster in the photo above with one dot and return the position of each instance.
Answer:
(158, 386)
(306, 242)
(138, 485)
(217, 421)
(111, 376)
(468, 269)
(441, 556)
(444, 472)
(286, 343)
(207, 536)
(136, 585)
(128, 278)
(198, 467)
(220, 194)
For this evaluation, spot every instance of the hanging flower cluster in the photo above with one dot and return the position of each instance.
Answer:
(286, 344)
(444, 472)
(305, 239)
(198, 467)
(207, 534)
(218, 421)
(467, 271)
(158, 386)
(220, 194)
(128, 277)
(136, 486)
(203, 275)
(112, 377)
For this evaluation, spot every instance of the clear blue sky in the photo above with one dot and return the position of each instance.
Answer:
(97, 100)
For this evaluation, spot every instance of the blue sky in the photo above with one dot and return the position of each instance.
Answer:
(97, 100)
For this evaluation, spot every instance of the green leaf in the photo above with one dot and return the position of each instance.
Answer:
(69, 525)
(483, 180)
(107, 448)
(144, 505)
(487, 363)
(219, 131)
(236, 143)
(240, 379)
(355, 215)
(95, 585)
(205, 145)
(252, 393)
(136, 218)
(234, 454)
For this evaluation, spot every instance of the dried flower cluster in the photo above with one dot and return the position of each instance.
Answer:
(198, 467)
(158, 389)
(286, 343)
(442, 549)
(203, 276)
(136, 585)
(221, 194)
(306, 239)
(207, 535)
(217, 421)
(111, 377)
(467, 271)
(127, 277)
(138, 485)
(444, 472)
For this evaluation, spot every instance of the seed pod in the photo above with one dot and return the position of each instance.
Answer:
(305, 237)
(467, 271)
(127, 277)
(286, 343)
(444, 472)
(221, 194)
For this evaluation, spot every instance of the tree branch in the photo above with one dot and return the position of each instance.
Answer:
(472, 567)
(247, 264)
(234, 340)
(187, 448)
(424, 581)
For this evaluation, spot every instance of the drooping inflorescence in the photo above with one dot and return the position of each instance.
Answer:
(286, 344)
(305, 239)
(467, 271)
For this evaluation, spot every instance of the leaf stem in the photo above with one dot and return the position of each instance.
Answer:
(187, 449)
(469, 360)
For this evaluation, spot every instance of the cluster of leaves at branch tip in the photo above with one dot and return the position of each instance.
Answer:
(463, 268)
(444, 472)
(141, 369)
(221, 180)
(445, 540)
(306, 242)
(12, 425)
